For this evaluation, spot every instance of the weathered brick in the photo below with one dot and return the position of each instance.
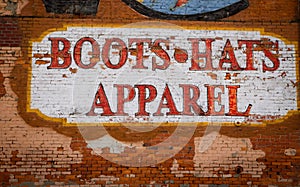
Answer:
(35, 150)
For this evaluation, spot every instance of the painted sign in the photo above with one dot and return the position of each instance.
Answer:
(146, 74)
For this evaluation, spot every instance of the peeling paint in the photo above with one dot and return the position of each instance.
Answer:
(223, 158)
(23, 145)
(108, 142)
(228, 153)
(12, 7)
(290, 152)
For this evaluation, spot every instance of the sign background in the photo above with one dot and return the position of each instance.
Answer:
(62, 93)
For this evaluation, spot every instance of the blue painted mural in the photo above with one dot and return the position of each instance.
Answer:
(161, 9)
(188, 9)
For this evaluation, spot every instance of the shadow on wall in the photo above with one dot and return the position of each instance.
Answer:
(173, 9)
(2, 87)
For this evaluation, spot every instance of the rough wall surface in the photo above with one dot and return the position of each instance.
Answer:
(235, 140)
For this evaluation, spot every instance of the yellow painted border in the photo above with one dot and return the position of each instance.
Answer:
(166, 26)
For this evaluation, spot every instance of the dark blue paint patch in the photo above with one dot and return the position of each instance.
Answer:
(77, 7)
(188, 9)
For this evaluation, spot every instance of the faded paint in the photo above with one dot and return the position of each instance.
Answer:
(188, 9)
(25, 148)
(241, 71)
(137, 153)
(113, 145)
(222, 158)
(108, 179)
(290, 152)
(12, 7)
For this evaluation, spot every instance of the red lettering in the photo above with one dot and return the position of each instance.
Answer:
(170, 103)
(233, 110)
(228, 56)
(272, 57)
(140, 51)
(95, 53)
(100, 101)
(142, 99)
(121, 99)
(148, 93)
(63, 54)
(122, 53)
(196, 55)
(158, 50)
(181, 55)
(190, 100)
(249, 52)
(211, 99)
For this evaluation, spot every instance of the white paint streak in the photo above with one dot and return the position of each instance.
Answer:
(110, 143)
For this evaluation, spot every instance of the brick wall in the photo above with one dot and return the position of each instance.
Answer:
(53, 149)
